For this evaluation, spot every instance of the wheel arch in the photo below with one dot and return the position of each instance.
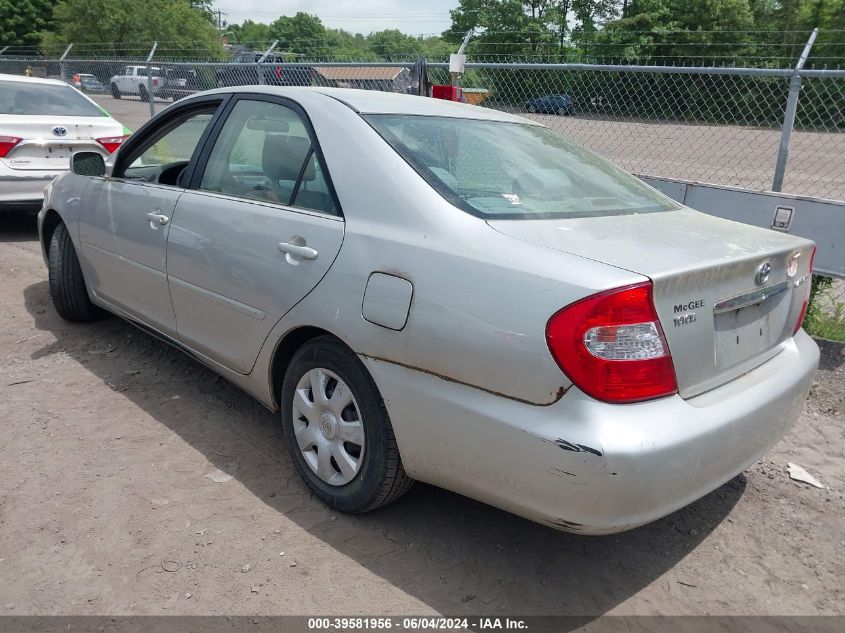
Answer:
(52, 219)
(285, 349)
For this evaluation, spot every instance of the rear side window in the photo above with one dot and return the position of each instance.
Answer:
(24, 97)
(264, 152)
(496, 169)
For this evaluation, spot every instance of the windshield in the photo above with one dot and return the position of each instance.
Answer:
(21, 97)
(505, 170)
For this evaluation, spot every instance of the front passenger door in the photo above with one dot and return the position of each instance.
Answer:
(125, 219)
(259, 228)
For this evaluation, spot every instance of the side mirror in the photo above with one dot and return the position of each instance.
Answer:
(88, 164)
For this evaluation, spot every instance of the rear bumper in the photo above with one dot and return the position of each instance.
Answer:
(585, 466)
(23, 189)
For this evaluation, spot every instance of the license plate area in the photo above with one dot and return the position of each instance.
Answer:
(750, 330)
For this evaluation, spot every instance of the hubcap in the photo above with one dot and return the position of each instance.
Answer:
(328, 427)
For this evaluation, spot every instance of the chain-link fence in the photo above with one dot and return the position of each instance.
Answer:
(727, 126)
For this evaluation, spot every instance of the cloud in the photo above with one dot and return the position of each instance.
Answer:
(358, 16)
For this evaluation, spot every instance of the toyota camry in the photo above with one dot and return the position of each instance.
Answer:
(434, 291)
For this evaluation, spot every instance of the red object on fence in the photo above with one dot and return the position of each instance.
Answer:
(450, 93)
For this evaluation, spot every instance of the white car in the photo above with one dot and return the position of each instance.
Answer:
(42, 122)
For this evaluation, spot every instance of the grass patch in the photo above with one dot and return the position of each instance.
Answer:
(826, 312)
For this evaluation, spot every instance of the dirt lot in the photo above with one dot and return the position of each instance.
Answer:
(741, 156)
(105, 508)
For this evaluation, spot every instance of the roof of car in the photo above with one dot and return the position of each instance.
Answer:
(37, 80)
(377, 102)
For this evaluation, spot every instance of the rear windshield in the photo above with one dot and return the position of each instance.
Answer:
(23, 97)
(502, 170)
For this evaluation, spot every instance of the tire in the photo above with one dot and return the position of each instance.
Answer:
(380, 477)
(67, 286)
(570, 111)
(560, 111)
(115, 93)
(532, 109)
(143, 94)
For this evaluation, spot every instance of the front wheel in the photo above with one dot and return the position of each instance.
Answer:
(142, 92)
(337, 429)
(115, 92)
(67, 286)
(532, 109)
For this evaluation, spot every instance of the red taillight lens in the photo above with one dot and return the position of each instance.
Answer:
(7, 143)
(806, 303)
(612, 347)
(111, 143)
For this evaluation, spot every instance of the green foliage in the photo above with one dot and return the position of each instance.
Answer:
(302, 33)
(254, 34)
(21, 21)
(393, 43)
(111, 23)
(825, 314)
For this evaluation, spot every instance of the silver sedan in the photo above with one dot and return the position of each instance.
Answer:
(433, 291)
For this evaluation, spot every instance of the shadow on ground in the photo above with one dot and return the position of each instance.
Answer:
(18, 226)
(420, 544)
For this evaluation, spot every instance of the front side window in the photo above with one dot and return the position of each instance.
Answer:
(166, 154)
(33, 98)
(264, 153)
(503, 170)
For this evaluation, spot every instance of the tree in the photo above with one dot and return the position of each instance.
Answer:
(21, 21)
(180, 29)
(303, 34)
(252, 34)
(392, 43)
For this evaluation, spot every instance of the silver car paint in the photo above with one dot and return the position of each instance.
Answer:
(477, 402)
(124, 251)
(229, 282)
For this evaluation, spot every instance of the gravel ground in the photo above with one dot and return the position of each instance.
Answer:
(105, 508)
(742, 156)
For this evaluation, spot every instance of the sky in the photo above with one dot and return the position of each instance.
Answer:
(416, 17)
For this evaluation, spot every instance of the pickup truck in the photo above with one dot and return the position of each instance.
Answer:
(243, 70)
(134, 81)
(179, 83)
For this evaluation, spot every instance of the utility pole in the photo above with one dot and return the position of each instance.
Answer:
(222, 20)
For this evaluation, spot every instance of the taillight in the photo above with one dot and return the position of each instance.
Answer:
(111, 143)
(806, 303)
(7, 143)
(612, 347)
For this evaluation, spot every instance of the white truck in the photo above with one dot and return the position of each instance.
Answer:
(134, 81)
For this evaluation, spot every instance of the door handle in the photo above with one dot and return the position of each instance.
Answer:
(298, 250)
(158, 218)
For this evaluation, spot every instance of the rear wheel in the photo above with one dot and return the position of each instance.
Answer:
(114, 91)
(532, 109)
(561, 111)
(67, 286)
(338, 431)
(142, 92)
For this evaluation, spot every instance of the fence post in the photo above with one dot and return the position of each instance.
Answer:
(789, 114)
(258, 68)
(62, 62)
(150, 92)
(459, 58)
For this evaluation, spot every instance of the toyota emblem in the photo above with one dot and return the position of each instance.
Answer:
(763, 273)
(59, 130)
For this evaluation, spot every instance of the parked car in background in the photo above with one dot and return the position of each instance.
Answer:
(134, 81)
(242, 70)
(87, 83)
(179, 83)
(42, 122)
(438, 291)
(551, 104)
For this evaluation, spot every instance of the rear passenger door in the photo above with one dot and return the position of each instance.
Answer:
(258, 228)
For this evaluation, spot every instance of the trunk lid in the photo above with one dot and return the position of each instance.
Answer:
(42, 148)
(719, 319)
